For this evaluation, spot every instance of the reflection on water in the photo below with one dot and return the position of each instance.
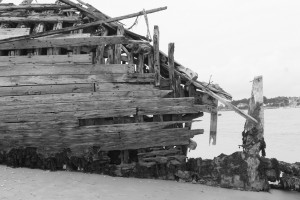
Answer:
(282, 134)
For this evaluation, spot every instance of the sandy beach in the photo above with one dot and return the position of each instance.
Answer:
(31, 184)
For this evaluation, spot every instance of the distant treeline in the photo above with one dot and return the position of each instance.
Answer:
(272, 102)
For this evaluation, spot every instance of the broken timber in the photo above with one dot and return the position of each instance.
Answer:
(81, 83)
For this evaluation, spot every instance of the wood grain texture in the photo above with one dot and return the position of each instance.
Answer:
(48, 42)
(72, 79)
(46, 89)
(106, 141)
(41, 18)
(82, 97)
(13, 32)
(45, 59)
(55, 69)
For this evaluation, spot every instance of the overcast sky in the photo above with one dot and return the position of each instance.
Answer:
(232, 40)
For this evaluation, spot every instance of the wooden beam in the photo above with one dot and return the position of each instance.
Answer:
(123, 87)
(82, 97)
(118, 47)
(38, 7)
(213, 128)
(45, 59)
(46, 89)
(156, 56)
(93, 105)
(64, 42)
(107, 142)
(68, 29)
(60, 69)
(13, 32)
(71, 79)
(171, 67)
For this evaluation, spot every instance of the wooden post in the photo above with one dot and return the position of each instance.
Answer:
(213, 128)
(101, 48)
(150, 63)
(40, 27)
(156, 56)
(117, 57)
(253, 138)
(171, 68)
(140, 65)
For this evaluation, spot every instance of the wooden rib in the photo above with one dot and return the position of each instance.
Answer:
(71, 79)
(35, 69)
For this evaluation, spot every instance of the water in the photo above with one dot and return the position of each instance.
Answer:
(282, 134)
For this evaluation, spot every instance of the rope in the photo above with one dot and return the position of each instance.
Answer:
(135, 23)
(147, 23)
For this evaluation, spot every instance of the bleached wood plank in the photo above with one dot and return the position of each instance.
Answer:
(72, 79)
(35, 69)
(45, 59)
(13, 32)
(82, 97)
(46, 89)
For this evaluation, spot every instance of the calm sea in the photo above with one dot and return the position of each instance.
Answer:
(282, 134)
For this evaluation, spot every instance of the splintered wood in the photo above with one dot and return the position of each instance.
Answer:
(73, 78)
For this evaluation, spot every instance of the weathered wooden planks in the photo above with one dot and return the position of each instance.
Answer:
(35, 69)
(82, 97)
(46, 89)
(41, 18)
(176, 110)
(40, 7)
(13, 32)
(75, 106)
(67, 41)
(45, 59)
(72, 79)
(106, 141)
(123, 87)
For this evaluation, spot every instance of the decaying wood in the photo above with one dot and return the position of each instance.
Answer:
(56, 69)
(171, 67)
(40, 18)
(37, 7)
(13, 32)
(156, 56)
(213, 128)
(81, 26)
(97, 96)
(46, 89)
(45, 59)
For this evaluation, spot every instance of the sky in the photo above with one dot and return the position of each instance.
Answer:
(232, 41)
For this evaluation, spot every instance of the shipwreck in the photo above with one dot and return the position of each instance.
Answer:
(78, 91)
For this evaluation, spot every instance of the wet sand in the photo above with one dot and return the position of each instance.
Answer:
(34, 184)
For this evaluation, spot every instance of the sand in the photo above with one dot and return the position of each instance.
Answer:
(33, 184)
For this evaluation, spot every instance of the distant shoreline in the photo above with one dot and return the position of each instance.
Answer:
(265, 107)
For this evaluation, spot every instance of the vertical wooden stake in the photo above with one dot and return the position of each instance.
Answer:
(140, 65)
(171, 68)
(213, 128)
(156, 56)
(117, 57)
(253, 138)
